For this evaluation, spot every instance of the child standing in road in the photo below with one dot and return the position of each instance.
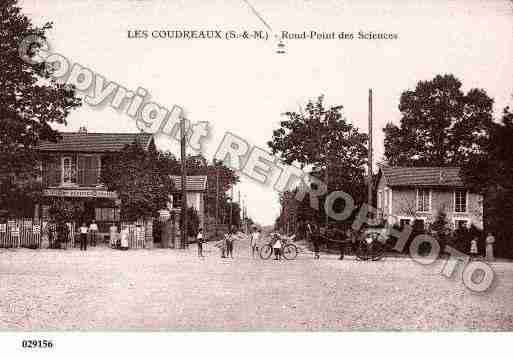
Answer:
(199, 238)
(277, 247)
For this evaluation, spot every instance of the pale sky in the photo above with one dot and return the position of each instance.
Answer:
(243, 86)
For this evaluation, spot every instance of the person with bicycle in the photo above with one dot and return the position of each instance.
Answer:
(277, 246)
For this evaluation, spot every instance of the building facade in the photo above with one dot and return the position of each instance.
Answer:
(71, 170)
(415, 195)
(195, 192)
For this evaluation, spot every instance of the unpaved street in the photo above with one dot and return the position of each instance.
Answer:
(159, 289)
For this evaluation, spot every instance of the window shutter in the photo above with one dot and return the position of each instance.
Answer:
(57, 171)
(81, 170)
(98, 169)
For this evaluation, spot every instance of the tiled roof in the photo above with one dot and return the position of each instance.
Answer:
(94, 142)
(423, 176)
(194, 183)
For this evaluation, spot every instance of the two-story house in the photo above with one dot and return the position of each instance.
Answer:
(408, 195)
(71, 170)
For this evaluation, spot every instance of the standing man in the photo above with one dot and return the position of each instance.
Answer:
(83, 237)
(93, 229)
(230, 238)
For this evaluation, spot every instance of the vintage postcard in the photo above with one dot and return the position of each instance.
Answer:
(255, 166)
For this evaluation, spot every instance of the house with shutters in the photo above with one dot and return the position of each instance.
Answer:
(415, 195)
(196, 187)
(71, 169)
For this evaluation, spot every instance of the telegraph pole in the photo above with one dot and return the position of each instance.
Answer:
(369, 196)
(231, 207)
(183, 139)
(217, 198)
(240, 210)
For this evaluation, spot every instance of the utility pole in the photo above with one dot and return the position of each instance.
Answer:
(240, 210)
(231, 207)
(183, 139)
(217, 198)
(370, 151)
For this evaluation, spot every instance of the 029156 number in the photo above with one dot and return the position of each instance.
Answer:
(36, 344)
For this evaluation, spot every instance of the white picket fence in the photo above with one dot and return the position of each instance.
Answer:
(30, 233)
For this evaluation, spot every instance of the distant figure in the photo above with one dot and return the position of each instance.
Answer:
(343, 239)
(255, 237)
(490, 240)
(315, 237)
(83, 237)
(473, 247)
(125, 233)
(62, 233)
(230, 238)
(113, 231)
(199, 238)
(93, 230)
(277, 246)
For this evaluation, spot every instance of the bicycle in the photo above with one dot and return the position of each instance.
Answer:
(289, 250)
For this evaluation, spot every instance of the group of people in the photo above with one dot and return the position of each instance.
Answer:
(84, 231)
(489, 241)
(226, 244)
(255, 239)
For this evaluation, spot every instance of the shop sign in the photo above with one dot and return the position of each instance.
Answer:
(82, 193)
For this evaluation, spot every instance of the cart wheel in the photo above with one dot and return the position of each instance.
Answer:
(362, 251)
(290, 251)
(266, 251)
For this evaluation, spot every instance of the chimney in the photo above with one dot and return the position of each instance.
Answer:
(441, 177)
(82, 129)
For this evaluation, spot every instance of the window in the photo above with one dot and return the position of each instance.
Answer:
(460, 201)
(404, 222)
(423, 199)
(88, 170)
(67, 170)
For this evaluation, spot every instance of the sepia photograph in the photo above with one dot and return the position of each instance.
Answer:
(251, 167)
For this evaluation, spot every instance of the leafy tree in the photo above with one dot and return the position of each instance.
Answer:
(31, 101)
(440, 125)
(491, 173)
(322, 140)
(138, 178)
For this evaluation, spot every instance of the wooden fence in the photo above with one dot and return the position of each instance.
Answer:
(31, 233)
(20, 233)
(36, 233)
(139, 233)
